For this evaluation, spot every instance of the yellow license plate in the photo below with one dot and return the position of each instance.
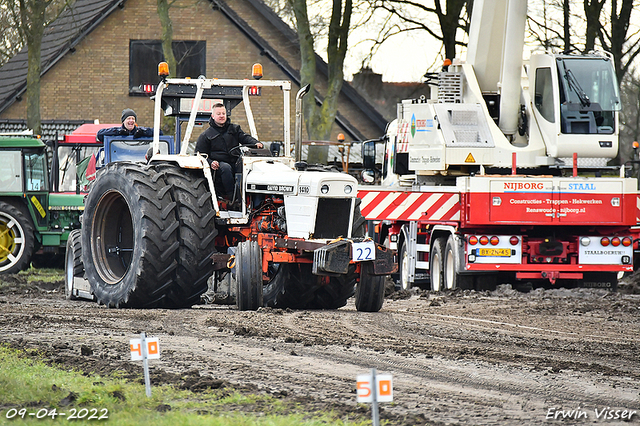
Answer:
(494, 252)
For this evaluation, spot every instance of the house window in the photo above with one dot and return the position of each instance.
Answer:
(144, 56)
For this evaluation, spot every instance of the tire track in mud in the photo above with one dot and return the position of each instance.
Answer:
(455, 359)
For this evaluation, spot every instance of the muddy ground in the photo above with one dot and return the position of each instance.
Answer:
(482, 358)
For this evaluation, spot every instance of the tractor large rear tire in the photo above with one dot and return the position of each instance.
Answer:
(73, 262)
(17, 239)
(370, 289)
(130, 237)
(249, 276)
(196, 234)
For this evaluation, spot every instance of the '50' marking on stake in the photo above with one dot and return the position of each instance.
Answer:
(384, 388)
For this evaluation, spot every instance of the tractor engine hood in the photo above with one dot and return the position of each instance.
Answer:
(318, 205)
(270, 177)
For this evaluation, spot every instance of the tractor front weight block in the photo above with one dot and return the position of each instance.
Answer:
(332, 259)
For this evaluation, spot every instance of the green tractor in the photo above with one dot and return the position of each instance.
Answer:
(34, 221)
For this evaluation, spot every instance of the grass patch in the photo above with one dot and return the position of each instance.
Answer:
(42, 274)
(28, 384)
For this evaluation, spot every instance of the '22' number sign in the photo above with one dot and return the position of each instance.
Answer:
(364, 251)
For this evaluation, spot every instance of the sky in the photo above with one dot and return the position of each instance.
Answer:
(402, 58)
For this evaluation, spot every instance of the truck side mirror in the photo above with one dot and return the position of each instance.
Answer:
(369, 155)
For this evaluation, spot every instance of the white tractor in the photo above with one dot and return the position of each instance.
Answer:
(154, 234)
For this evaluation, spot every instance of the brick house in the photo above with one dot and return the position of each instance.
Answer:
(98, 56)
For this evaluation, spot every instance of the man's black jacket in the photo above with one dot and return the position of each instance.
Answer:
(136, 132)
(217, 142)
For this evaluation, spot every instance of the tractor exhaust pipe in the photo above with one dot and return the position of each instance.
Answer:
(298, 130)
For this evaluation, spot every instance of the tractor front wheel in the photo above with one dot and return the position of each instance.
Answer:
(369, 290)
(248, 276)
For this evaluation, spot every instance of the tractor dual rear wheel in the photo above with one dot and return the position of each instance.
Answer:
(148, 235)
(196, 233)
(130, 237)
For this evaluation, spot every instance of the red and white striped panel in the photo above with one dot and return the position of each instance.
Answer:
(638, 209)
(401, 205)
(403, 138)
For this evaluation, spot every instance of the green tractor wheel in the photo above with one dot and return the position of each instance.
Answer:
(16, 238)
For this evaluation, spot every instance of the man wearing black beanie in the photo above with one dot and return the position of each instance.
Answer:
(129, 127)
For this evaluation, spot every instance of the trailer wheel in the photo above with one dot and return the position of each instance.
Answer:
(295, 287)
(249, 276)
(333, 292)
(292, 286)
(129, 237)
(73, 262)
(436, 264)
(369, 290)
(451, 278)
(17, 240)
(403, 268)
(196, 233)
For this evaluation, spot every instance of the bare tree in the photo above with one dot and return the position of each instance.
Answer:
(31, 17)
(319, 119)
(550, 24)
(167, 35)
(618, 39)
(10, 42)
(452, 18)
(592, 13)
(629, 117)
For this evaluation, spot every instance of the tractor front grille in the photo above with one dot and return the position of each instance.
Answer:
(333, 218)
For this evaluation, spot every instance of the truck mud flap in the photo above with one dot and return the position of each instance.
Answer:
(332, 259)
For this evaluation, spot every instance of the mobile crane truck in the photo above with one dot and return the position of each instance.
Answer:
(497, 178)
(153, 234)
